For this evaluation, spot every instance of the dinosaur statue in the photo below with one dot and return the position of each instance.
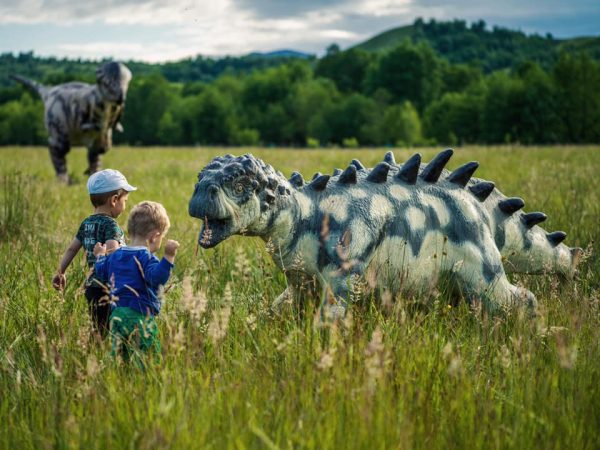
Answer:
(82, 114)
(400, 228)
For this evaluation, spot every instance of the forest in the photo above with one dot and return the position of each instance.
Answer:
(431, 83)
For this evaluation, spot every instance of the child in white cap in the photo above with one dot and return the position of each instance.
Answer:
(108, 191)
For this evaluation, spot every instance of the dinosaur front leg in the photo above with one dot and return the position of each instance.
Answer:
(482, 277)
(338, 285)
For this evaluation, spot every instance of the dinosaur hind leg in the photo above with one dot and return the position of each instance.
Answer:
(58, 153)
(94, 163)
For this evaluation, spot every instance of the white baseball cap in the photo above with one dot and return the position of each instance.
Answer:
(108, 180)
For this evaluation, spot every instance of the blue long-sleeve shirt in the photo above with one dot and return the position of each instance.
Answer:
(134, 276)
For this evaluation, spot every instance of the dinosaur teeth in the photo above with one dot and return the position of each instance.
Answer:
(320, 183)
(482, 190)
(264, 206)
(296, 180)
(556, 237)
(431, 173)
(336, 172)
(282, 189)
(379, 173)
(511, 205)
(348, 176)
(410, 169)
(389, 158)
(463, 174)
(356, 163)
(533, 218)
(316, 175)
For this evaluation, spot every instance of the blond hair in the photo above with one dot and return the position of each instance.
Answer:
(146, 217)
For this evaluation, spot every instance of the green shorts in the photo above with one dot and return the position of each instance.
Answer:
(132, 335)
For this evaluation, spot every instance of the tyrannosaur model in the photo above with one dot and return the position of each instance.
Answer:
(83, 114)
(403, 228)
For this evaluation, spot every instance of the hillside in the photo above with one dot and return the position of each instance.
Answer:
(493, 49)
(52, 70)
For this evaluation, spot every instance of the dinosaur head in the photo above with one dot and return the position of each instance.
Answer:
(234, 195)
(113, 80)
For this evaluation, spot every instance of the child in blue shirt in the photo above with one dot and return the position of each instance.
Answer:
(135, 276)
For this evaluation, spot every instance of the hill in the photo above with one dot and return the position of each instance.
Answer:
(52, 70)
(494, 49)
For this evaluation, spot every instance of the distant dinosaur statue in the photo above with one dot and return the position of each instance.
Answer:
(400, 228)
(83, 114)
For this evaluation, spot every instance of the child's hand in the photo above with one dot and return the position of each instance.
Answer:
(59, 281)
(99, 249)
(111, 246)
(171, 250)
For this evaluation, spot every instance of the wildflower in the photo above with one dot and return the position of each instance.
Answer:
(270, 247)
(251, 322)
(195, 305)
(567, 354)
(453, 358)
(325, 362)
(178, 341)
(242, 266)
(206, 234)
(357, 287)
(376, 359)
(217, 328)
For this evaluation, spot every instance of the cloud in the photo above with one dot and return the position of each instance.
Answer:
(159, 29)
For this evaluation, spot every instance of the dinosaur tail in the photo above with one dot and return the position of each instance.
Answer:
(33, 86)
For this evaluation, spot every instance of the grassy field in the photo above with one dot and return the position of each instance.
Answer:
(234, 375)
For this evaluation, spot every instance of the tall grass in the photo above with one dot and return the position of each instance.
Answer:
(235, 375)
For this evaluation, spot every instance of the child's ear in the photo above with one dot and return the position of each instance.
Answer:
(154, 236)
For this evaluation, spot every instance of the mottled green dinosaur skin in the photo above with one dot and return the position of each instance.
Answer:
(399, 228)
(83, 114)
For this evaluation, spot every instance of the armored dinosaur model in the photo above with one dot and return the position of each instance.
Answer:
(83, 114)
(402, 228)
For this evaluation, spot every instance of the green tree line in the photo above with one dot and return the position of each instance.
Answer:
(407, 95)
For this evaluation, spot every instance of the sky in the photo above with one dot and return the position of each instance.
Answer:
(160, 30)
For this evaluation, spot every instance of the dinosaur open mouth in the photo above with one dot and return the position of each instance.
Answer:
(214, 231)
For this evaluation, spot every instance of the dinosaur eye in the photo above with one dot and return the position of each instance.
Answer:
(239, 188)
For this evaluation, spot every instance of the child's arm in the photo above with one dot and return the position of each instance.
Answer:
(100, 254)
(157, 273)
(111, 246)
(59, 280)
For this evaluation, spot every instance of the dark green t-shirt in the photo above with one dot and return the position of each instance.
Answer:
(98, 228)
